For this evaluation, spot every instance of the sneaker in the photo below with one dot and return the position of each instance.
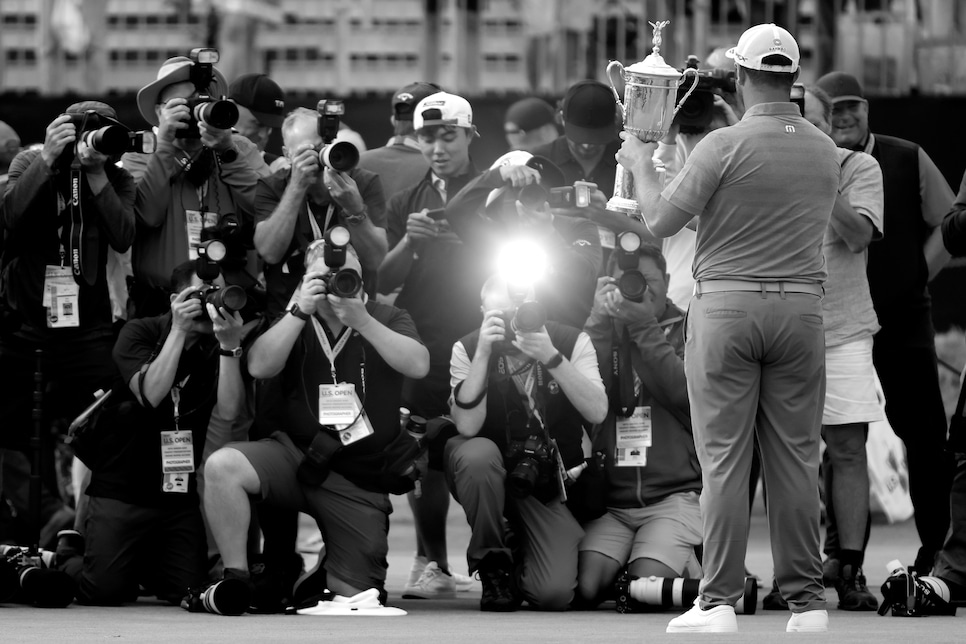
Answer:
(853, 593)
(830, 571)
(774, 600)
(231, 595)
(434, 583)
(419, 565)
(464, 584)
(718, 619)
(365, 603)
(499, 590)
(811, 621)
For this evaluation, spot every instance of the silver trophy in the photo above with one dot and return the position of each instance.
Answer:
(650, 90)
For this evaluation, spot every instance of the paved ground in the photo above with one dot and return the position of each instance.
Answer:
(460, 620)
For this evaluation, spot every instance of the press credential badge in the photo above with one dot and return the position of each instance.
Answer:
(339, 406)
(634, 437)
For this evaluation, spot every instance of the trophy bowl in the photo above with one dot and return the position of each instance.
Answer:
(650, 89)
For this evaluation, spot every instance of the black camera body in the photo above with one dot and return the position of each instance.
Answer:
(341, 282)
(213, 111)
(529, 464)
(339, 156)
(695, 113)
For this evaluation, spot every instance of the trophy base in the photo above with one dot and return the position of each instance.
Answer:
(624, 206)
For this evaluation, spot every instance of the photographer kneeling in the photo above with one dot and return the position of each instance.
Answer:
(518, 405)
(653, 519)
(143, 525)
(341, 360)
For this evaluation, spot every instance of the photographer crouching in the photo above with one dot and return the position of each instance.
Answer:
(521, 389)
(64, 205)
(341, 360)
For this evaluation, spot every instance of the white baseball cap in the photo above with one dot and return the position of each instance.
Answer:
(762, 41)
(442, 108)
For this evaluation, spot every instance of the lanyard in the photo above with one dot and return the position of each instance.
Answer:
(176, 400)
(331, 352)
(202, 191)
(317, 232)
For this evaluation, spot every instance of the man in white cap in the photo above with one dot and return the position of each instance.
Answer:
(440, 279)
(762, 192)
(200, 178)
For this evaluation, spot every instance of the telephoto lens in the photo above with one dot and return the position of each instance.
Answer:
(232, 298)
(641, 595)
(529, 317)
(109, 140)
(219, 114)
(340, 156)
(344, 283)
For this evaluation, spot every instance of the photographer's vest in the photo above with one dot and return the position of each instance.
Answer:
(562, 419)
(897, 266)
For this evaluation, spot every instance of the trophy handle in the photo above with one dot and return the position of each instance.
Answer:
(694, 86)
(611, 66)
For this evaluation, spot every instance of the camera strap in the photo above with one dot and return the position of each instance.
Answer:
(623, 398)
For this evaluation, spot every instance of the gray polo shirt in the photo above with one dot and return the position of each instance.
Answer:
(763, 191)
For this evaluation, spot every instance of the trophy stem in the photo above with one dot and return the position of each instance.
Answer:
(624, 200)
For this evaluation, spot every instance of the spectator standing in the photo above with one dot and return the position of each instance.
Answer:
(900, 266)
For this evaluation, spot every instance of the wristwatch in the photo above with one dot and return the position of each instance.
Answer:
(230, 353)
(358, 218)
(297, 312)
(555, 361)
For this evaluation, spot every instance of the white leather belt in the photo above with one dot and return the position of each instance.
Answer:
(719, 286)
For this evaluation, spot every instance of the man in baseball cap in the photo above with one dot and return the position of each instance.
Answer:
(761, 42)
(261, 108)
(900, 265)
(434, 272)
(763, 191)
(400, 163)
(586, 150)
(530, 123)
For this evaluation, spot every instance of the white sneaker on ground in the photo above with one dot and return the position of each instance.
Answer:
(463, 583)
(811, 621)
(719, 619)
(434, 583)
(419, 565)
(365, 604)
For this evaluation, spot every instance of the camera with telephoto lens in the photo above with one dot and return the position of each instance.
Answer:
(525, 316)
(530, 464)
(907, 594)
(632, 283)
(213, 254)
(695, 114)
(340, 156)
(108, 136)
(342, 282)
(26, 577)
(216, 112)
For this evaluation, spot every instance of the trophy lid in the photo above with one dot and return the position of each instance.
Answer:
(653, 64)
